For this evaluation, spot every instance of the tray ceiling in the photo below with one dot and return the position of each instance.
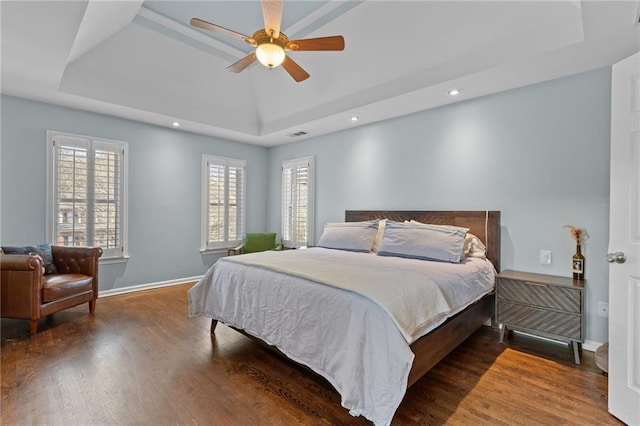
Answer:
(143, 61)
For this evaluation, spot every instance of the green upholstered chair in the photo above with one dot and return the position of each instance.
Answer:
(255, 242)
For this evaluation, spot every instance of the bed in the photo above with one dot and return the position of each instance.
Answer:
(366, 350)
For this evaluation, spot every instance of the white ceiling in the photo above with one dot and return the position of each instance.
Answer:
(143, 61)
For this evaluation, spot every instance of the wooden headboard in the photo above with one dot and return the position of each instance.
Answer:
(482, 223)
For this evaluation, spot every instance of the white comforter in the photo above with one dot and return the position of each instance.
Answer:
(348, 316)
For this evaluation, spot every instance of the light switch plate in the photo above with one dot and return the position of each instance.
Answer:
(545, 257)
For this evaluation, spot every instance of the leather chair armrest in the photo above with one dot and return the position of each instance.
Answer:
(76, 260)
(21, 285)
(21, 262)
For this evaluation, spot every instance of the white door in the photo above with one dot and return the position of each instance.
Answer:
(624, 242)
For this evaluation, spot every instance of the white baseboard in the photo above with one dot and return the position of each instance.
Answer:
(590, 345)
(149, 286)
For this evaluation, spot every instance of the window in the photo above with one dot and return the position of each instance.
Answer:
(86, 192)
(297, 202)
(223, 202)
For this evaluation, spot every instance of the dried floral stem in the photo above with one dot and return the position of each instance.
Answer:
(578, 234)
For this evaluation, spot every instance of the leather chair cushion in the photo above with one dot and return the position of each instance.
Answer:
(58, 286)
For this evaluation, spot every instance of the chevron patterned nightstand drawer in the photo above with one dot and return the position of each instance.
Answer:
(546, 305)
(566, 299)
(540, 320)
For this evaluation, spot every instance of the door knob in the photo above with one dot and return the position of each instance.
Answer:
(617, 257)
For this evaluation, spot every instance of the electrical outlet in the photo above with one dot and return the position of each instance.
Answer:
(603, 309)
(545, 257)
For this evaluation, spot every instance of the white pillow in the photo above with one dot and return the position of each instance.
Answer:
(473, 247)
(423, 241)
(352, 236)
(377, 241)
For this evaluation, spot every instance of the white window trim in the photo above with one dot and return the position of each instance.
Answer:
(51, 190)
(222, 246)
(295, 163)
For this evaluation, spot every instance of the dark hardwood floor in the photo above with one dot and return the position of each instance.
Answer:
(141, 360)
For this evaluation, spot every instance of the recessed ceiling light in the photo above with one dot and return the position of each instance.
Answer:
(455, 92)
(354, 118)
(176, 124)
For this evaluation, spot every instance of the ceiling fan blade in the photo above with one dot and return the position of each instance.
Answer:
(321, 43)
(294, 69)
(242, 63)
(272, 14)
(221, 30)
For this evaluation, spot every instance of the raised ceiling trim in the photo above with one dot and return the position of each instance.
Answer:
(317, 17)
(188, 32)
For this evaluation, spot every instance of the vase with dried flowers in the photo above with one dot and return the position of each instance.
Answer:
(578, 260)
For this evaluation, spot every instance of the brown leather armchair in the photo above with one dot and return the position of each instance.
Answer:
(26, 293)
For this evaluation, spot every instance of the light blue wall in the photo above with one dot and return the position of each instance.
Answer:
(164, 187)
(540, 154)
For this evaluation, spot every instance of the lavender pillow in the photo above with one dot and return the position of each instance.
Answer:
(423, 241)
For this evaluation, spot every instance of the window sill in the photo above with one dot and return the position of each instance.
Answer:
(221, 250)
(114, 260)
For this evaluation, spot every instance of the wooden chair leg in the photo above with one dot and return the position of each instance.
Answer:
(33, 327)
(214, 323)
(92, 306)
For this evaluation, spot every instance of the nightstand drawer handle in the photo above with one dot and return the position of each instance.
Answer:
(617, 257)
(536, 284)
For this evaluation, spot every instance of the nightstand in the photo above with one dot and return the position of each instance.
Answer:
(543, 305)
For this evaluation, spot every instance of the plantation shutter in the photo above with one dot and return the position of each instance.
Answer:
(72, 211)
(107, 196)
(225, 202)
(88, 193)
(297, 202)
(236, 202)
(217, 197)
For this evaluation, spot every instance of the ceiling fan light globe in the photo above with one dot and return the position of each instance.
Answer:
(270, 55)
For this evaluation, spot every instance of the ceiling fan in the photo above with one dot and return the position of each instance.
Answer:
(271, 44)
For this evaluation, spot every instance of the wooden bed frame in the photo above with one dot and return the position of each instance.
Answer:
(433, 347)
